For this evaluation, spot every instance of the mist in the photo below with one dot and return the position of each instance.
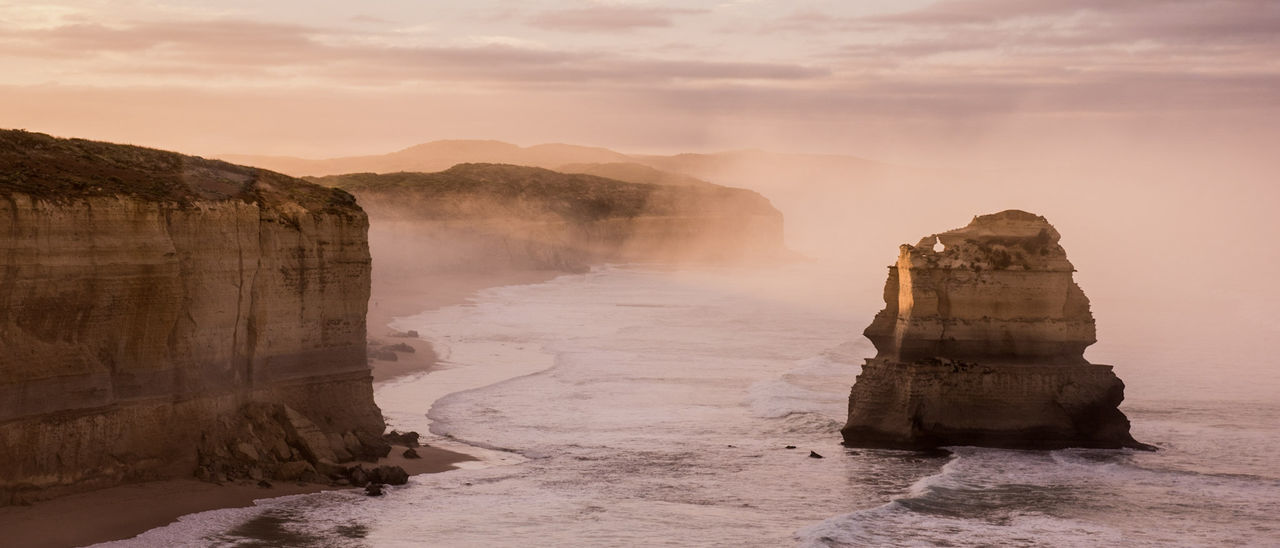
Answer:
(628, 273)
(1172, 247)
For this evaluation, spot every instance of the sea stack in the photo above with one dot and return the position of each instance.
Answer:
(981, 342)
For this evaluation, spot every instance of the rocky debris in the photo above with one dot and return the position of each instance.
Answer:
(297, 471)
(360, 476)
(378, 350)
(388, 474)
(314, 444)
(371, 447)
(407, 439)
(333, 470)
(981, 342)
(410, 334)
(383, 355)
(790, 447)
(247, 452)
(815, 455)
(275, 441)
(411, 453)
(373, 490)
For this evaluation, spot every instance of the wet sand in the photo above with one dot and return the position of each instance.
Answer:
(125, 511)
(406, 297)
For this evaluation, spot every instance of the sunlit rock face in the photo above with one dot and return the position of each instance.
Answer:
(147, 298)
(981, 342)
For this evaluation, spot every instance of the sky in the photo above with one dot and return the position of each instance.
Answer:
(1146, 130)
(917, 82)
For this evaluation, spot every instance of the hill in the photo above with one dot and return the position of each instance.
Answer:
(492, 216)
(437, 156)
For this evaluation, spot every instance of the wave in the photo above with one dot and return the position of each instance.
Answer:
(957, 507)
(816, 385)
(1072, 497)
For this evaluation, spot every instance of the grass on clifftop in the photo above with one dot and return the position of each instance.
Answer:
(635, 173)
(500, 190)
(59, 170)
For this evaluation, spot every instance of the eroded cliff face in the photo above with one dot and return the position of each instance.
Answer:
(407, 247)
(981, 342)
(490, 216)
(148, 299)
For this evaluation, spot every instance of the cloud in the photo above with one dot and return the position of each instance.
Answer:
(609, 18)
(209, 40)
(243, 48)
(953, 60)
(976, 98)
(1095, 22)
(950, 12)
(965, 56)
(1058, 23)
(369, 19)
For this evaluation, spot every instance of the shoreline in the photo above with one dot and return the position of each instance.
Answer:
(391, 299)
(124, 511)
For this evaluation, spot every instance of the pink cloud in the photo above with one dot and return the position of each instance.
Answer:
(608, 18)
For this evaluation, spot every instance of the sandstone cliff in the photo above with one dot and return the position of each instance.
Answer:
(154, 307)
(492, 216)
(981, 342)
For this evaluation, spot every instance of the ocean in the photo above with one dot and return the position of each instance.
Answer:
(643, 406)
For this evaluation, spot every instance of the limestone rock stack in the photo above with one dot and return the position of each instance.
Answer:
(981, 342)
(154, 306)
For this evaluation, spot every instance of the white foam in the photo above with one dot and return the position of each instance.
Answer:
(654, 408)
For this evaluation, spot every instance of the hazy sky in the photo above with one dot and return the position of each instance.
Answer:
(1147, 130)
(902, 80)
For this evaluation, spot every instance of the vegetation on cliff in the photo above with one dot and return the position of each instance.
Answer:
(54, 169)
(150, 299)
(633, 172)
(499, 190)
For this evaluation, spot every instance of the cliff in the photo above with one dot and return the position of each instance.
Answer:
(492, 216)
(163, 314)
(438, 156)
(633, 172)
(981, 342)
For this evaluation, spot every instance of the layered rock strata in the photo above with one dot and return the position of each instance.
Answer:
(981, 342)
(149, 300)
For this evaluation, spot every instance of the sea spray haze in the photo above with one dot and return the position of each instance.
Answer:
(1145, 131)
(494, 217)
(676, 395)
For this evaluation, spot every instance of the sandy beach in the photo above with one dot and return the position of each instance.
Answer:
(391, 299)
(124, 511)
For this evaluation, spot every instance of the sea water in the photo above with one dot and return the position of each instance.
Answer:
(638, 406)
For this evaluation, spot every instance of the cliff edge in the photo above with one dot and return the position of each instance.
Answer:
(981, 342)
(496, 216)
(163, 315)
